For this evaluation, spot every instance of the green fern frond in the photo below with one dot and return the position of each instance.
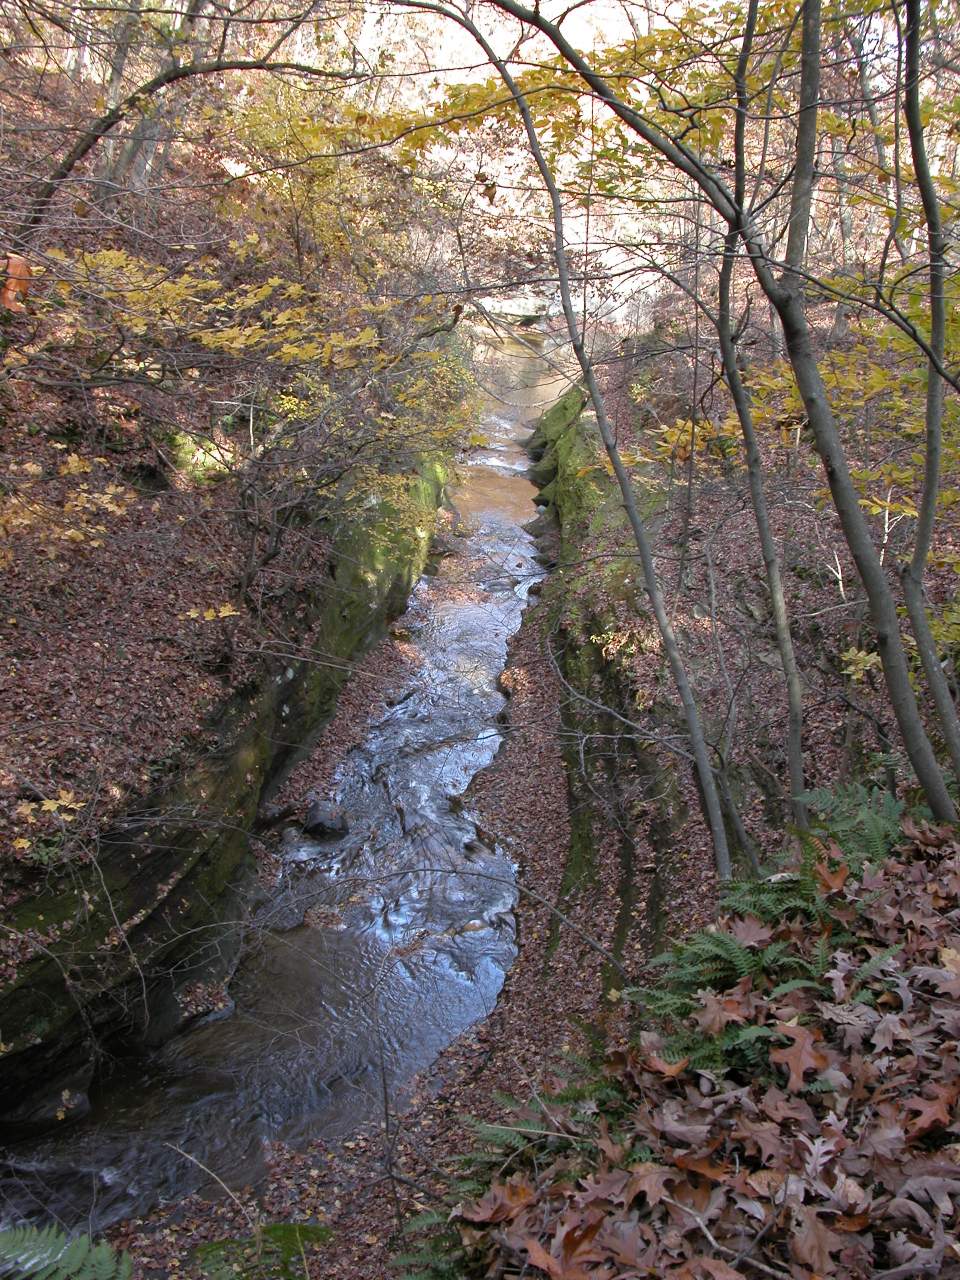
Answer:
(794, 984)
(876, 963)
(429, 1218)
(663, 1005)
(819, 1086)
(49, 1254)
(735, 1048)
(596, 1089)
(508, 1101)
(823, 952)
(438, 1256)
(710, 959)
(865, 822)
(790, 894)
(507, 1136)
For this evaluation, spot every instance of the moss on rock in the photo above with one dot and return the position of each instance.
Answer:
(276, 1252)
(157, 909)
(596, 576)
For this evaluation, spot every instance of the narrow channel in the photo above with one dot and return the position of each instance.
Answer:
(380, 946)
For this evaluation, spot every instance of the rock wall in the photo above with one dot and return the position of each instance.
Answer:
(625, 804)
(117, 942)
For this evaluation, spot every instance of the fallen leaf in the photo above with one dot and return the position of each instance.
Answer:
(801, 1057)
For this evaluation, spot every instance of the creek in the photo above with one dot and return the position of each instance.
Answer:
(374, 950)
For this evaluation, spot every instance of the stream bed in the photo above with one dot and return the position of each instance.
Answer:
(409, 928)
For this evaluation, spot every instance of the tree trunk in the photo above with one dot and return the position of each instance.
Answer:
(840, 328)
(787, 297)
(933, 414)
(855, 41)
(741, 402)
(768, 549)
(883, 610)
(118, 66)
(801, 192)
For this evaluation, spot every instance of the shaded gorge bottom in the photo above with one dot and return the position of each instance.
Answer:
(385, 936)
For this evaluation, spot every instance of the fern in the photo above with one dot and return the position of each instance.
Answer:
(865, 822)
(793, 984)
(736, 1048)
(718, 961)
(707, 960)
(876, 963)
(507, 1137)
(428, 1218)
(49, 1254)
(792, 893)
(663, 1005)
(592, 1089)
(438, 1255)
(824, 949)
(508, 1101)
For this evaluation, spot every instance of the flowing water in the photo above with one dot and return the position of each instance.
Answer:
(410, 914)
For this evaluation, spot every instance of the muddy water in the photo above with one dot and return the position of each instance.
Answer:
(378, 948)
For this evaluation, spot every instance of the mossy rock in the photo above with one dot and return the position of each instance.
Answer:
(555, 420)
(583, 497)
(278, 1253)
(542, 472)
(170, 870)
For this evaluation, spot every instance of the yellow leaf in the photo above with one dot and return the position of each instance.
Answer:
(21, 843)
(228, 611)
(209, 614)
(50, 806)
(74, 465)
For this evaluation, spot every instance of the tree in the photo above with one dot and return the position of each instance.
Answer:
(682, 120)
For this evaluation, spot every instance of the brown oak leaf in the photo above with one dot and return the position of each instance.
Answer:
(663, 1068)
(503, 1201)
(750, 931)
(611, 1184)
(812, 1242)
(831, 881)
(575, 1240)
(767, 1137)
(932, 1113)
(801, 1056)
(716, 1012)
(705, 1166)
(653, 1180)
(714, 1268)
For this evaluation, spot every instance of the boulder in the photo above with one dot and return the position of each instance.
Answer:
(325, 821)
